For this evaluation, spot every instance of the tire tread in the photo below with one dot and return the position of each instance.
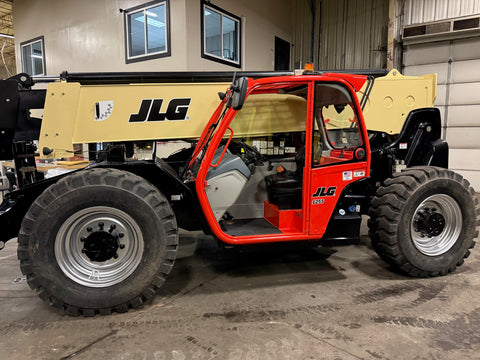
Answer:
(386, 209)
(108, 177)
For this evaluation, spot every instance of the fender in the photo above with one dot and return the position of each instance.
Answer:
(182, 198)
(16, 204)
(420, 139)
(418, 144)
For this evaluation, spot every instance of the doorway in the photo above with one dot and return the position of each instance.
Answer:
(282, 54)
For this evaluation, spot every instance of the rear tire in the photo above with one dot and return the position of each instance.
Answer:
(98, 241)
(423, 221)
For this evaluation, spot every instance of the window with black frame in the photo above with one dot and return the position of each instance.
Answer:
(220, 35)
(147, 31)
(33, 56)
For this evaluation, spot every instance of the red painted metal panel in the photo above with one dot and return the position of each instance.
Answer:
(316, 215)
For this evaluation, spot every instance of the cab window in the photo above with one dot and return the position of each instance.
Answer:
(336, 132)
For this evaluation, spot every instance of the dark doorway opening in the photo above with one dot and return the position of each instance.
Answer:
(282, 54)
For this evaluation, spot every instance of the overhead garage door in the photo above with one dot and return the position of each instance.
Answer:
(457, 63)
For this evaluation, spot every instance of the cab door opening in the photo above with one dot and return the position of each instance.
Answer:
(255, 186)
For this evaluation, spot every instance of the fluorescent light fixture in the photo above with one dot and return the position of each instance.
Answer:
(151, 22)
(7, 36)
(149, 13)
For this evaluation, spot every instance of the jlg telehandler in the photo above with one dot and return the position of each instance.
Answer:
(282, 158)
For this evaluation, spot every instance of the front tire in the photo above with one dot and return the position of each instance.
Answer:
(423, 221)
(98, 241)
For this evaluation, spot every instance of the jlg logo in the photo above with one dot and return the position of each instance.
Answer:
(150, 110)
(323, 191)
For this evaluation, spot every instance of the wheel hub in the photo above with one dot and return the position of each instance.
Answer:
(436, 224)
(429, 222)
(100, 246)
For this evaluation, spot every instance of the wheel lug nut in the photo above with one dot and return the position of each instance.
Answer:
(121, 235)
(100, 224)
(115, 256)
(82, 239)
(89, 229)
(112, 227)
(83, 251)
(122, 246)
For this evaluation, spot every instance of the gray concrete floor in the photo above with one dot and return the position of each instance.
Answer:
(268, 302)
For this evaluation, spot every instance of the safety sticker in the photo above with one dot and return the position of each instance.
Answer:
(103, 110)
(403, 146)
(358, 173)
(347, 175)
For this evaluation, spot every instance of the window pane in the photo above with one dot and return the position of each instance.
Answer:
(156, 29)
(37, 56)
(230, 31)
(27, 59)
(38, 66)
(136, 33)
(37, 49)
(336, 133)
(213, 31)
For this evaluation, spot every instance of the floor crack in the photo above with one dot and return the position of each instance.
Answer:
(305, 332)
(86, 347)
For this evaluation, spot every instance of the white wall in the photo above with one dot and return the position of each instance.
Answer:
(261, 22)
(88, 35)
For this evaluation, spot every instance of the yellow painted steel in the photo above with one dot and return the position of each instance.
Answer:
(70, 108)
(393, 97)
(70, 111)
(268, 114)
(59, 115)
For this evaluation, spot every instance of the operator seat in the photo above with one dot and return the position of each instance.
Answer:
(285, 187)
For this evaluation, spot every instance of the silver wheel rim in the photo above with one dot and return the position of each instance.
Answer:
(439, 244)
(77, 266)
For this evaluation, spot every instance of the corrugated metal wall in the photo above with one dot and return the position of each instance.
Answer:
(303, 31)
(457, 63)
(421, 11)
(349, 34)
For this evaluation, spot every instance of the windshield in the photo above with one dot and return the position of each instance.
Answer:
(204, 141)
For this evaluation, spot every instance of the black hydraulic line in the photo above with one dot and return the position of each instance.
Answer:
(368, 90)
(102, 78)
(163, 77)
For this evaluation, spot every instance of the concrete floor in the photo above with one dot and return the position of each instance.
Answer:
(269, 302)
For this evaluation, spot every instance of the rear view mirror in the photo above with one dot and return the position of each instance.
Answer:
(239, 88)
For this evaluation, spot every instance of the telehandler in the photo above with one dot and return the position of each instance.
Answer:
(283, 157)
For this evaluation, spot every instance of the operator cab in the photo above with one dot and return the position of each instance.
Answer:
(287, 154)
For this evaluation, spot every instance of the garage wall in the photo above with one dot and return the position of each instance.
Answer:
(457, 63)
(422, 11)
(89, 35)
(349, 34)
